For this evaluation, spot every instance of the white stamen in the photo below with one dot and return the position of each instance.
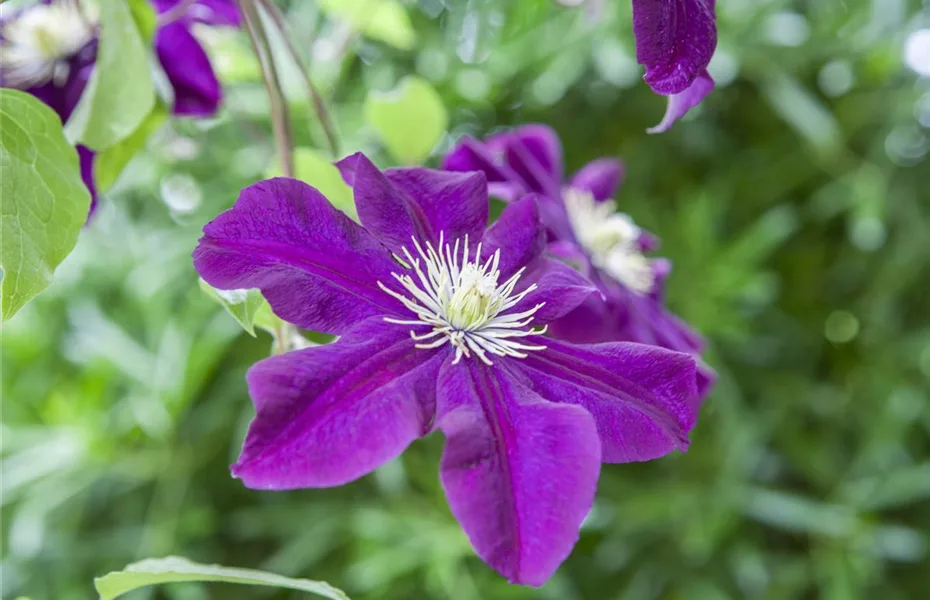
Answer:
(36, 44)
(458, 296)
(611, 238)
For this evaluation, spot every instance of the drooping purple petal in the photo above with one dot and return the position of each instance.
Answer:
(331, 414)
(643, 398)
(317, 268)
(197, 91)
(520, 473)
(399, 204)
(679, 104)
(675, 40)
(600, 177)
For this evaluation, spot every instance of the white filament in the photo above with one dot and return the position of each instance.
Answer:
(459, 298)
(611, 239)
(37, 43)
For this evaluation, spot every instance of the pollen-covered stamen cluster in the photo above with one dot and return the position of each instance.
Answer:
(36, 44)
(458, 296)
(611, 238)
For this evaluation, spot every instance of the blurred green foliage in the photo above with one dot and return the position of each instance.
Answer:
(794, 205)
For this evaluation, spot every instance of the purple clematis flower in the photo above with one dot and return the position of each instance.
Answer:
(675, 40)
(49, 49)
(441, 321)
(585, 231)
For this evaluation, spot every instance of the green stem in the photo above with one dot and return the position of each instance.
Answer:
(319, 105)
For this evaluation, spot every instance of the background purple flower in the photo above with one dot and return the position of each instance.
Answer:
(49, 50)
(197, 91)
(439, 332)
(585, 232)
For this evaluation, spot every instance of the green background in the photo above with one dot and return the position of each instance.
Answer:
(794, 205)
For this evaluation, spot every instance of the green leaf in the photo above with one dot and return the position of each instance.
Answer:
(174, 569)
(382, 20)
(109, 163)
(409, 119)
(43, 201)
(145, 18)
(120, 93)
(243, 305)
(312, 167)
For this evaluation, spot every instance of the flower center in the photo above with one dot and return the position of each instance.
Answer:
(611, 238)
(458, 297)
(36, 44)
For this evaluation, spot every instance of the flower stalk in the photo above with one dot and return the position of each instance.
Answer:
(319, 105)
(280, 115)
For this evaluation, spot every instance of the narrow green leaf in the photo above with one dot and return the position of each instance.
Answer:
(382, 20)
(43, 201)
(312, 167)
(241, 304)
(409, 119)
(109, 163)
(174, 569)
(120, 93)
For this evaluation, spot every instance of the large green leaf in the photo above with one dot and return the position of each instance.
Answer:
(312, 167)
(382, 20)
(43, 201)
(409, 119)
(120, 93)
(175, 569)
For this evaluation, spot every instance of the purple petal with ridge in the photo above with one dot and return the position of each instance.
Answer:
(558, 286)
(518, 234)
(197, 91)
(317, 268)
(398, 204)
(679, 104)
(643, 398)
(519, 473)
(328, 415)
(600, 177)
(535, 153)
(675, 40)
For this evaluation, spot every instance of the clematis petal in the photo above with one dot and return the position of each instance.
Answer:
(519, 473)
(675, 40)
(643, 398)
(600, 177)
(317, 268)
(330, 414)
(517, 234)
(535, 153)
(86, 160)
(402, 203)
(197, 91)
(471, 155)
(559, 288)
(679, 104)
